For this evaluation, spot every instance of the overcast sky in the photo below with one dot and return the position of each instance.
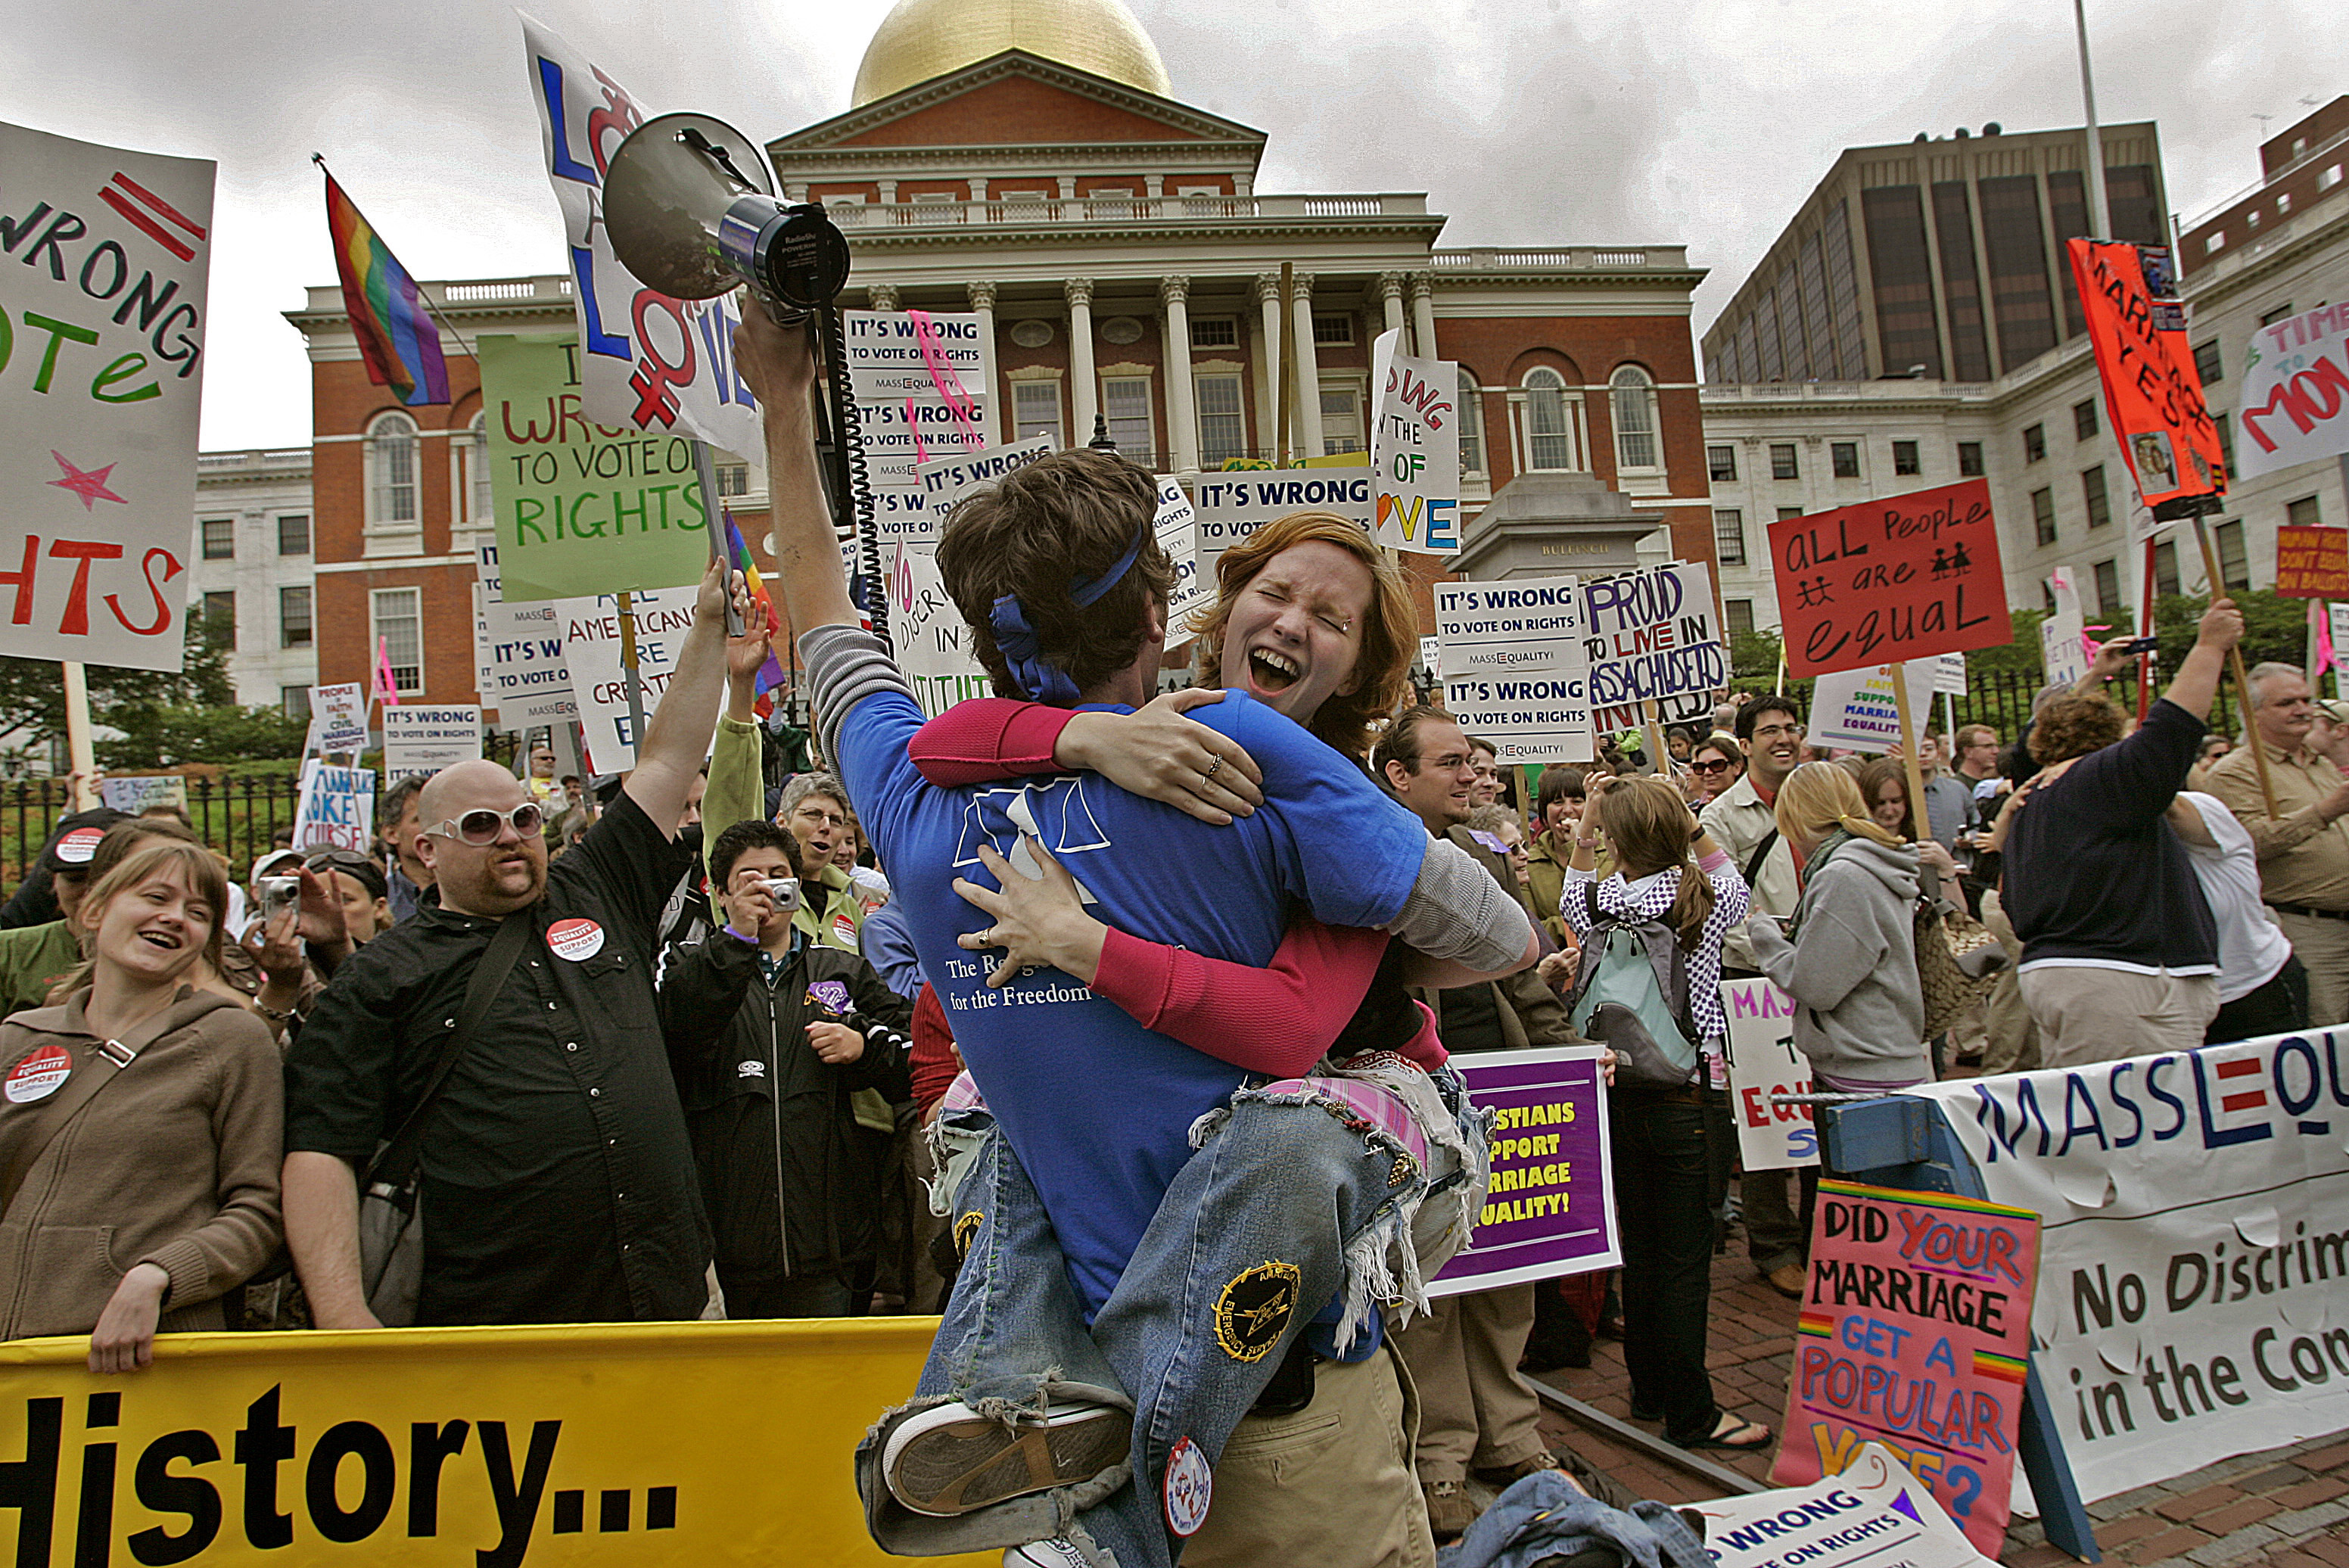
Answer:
(1531, 122)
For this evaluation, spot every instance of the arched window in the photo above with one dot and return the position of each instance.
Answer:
(1471, 425)
(1549, 439)
(1634, 397)
(391, 474)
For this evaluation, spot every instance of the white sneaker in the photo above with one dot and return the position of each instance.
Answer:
(1055, 1551)
(949, 1460)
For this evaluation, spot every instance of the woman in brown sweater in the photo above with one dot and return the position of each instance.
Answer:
(133, 1206)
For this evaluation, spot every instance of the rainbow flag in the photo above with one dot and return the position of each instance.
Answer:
(1815, 1323)
(2006, 1368)
(398, 337)
(771, 673)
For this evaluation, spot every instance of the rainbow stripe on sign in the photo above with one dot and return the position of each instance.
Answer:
(2005, 1368)
(397, 335)
(1820, 1324)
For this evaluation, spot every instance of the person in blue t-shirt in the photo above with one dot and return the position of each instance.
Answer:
(1063, 580)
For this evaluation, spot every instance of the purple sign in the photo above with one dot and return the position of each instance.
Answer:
(1551, 1207)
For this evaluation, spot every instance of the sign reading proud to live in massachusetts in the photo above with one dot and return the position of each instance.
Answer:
(1551, 1207)
(1515, 666)
(1892, 580)
(1653, 634)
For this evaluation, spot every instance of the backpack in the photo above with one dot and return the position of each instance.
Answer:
(1631, 994)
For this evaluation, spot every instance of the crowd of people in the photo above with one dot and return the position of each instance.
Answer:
(1114, 1027)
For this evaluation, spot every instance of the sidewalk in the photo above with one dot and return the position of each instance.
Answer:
(2287, 1507)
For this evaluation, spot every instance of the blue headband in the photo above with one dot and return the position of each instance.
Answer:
(1037, 676)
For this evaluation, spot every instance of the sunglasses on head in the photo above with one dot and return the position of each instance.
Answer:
(480, 826)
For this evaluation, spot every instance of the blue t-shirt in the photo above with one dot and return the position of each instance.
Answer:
(1098, 1108)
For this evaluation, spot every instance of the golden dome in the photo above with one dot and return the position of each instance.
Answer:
(919, 39)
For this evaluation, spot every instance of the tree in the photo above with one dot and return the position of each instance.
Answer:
(164, 719)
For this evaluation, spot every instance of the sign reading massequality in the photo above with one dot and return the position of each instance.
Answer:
(2194, 1252)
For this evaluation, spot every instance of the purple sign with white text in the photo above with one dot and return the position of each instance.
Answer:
(1551, 1207)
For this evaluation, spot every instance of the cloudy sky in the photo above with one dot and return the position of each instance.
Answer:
(1529, 122)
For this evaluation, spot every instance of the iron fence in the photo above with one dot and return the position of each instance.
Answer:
(237, 815)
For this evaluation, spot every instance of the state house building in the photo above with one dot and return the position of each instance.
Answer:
(1027, 159)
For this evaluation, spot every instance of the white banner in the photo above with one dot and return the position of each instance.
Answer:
(1854, 708)
(136, 792)
(427, 739)
(1763, 1062)
(2061, 651)
(527, 680)
(1231, 506)
(1514, 668)
(1874, 1515)
(591, 648)
(2294, 403)
(337, 720)
(337, 810)
(932, 640)
(1653, 634)
(2194, 1246)
(1415, 449)
(102, 322)
(886, 362)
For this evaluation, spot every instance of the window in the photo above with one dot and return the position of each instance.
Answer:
(733, 480)
(2108, 588)
(2271, 317)
(2043, 514)
(2092, 491)
(391, 474)
(473, 464)
(1548, 442)
(1036, 410)
(1215, 331)
(2084, 419)
(2328, 179)
(294, 618)
(397, 626)
(1787, 512)
(2207, 364)
(1969, 459)
(1739, 617)
(1905, 459)
(1333, 327)
(1223, 427)
(1729, 535)
(1125, 404)
(2034, 442)
(1341, 418)
(220, 539)
(2226, 440)
(1844, 455)
(1721, 464)
(2302, 514)
(1782, 461)
(2165, 567)
(294, 701)
(293, 534)
(1471, 425)
(2234, 565)
(1632, 397)
(219, 620)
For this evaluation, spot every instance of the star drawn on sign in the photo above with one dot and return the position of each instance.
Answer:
(87, 483)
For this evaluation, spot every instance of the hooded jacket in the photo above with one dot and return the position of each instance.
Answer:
(1851, 967)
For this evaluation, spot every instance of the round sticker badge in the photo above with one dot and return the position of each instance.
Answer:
(76, 847)
(1190, 1486)
(39, 1075)
(845, 928)
(576, 940)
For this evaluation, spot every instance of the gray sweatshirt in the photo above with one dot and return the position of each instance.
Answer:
(1852, 966)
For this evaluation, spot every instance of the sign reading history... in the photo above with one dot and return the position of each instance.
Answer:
(1550, 1210)
(1891, 580)
(1515, 666)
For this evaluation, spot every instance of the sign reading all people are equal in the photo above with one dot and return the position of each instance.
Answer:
(1885, 582)
(1515, 666)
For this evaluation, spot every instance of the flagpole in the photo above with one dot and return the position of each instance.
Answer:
(423, 298)
(2098, 221)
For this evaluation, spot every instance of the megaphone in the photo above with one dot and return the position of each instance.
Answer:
(691, 210)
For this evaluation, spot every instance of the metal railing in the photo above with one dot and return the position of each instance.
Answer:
(1022, 209)
(237, 815)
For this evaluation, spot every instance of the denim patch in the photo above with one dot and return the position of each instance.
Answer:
(1253, 1308)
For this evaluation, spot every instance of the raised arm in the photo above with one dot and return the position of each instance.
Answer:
(2197, 678)
(779, 363)
(669, 752)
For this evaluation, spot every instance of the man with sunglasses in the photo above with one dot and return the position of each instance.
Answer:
(557, 1176)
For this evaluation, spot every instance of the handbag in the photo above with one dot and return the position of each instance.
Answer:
(1944, 936)
(391, 1219)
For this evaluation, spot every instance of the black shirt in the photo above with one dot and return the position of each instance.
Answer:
(558, 1179)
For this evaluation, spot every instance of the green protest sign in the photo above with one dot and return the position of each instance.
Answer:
(582, 508)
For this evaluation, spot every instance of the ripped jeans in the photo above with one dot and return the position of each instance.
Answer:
(1294, 1196)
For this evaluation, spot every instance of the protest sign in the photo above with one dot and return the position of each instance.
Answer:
(527, 680)
(337, 720)
(1177, 527)
(892, 356)
(1550, 1210)
(2151, 387)
(1857, 708)
(649, 1445)
(2193, 1241)
(2336, 618)
(932, 640)
(1415, 449)
(98, 396)
(582, 508)
(1232, 506)
(1894, 579)
(337, 810)
(136, 792)
(1653, 634)
(2293, 406)
(2063, 647)
(427, 739)
(1763, 1062)
(1915, 1332)
(2312, 562)
(652, 365)
(1876, 1514)
(949, 477)
(1515, 666)
(591, 650)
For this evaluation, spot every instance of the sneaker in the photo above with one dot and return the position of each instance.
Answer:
(1053, 1552)
(949, 1460)
(1450, 1511)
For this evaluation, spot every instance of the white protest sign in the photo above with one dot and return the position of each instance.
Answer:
(528, 682)
(1854, 708)
(951, 476)
(648, 362)
(591, 648)
(427, 739)
(485, 682)
(2060, 650)
(337, 720)
(1232, 506)
(1763, 1062)
(1874, 1515)
(136, 792)
(1177, 527)
(2294, 403)
(1415, 449)
(1653, 634)
(1514, 665)
(933, 643)
(2337, 619)
(1431, 654)
(902, 432)
(890, 357)
(337, 810)
(106, 309)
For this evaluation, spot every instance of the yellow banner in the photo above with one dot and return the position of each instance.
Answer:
(692, 1443)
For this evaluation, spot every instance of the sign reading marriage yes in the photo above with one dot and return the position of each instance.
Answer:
(1888, 581)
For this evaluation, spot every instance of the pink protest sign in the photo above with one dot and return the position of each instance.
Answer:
(1915, 1331)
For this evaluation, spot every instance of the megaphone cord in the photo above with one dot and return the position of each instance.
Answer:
(847, 422)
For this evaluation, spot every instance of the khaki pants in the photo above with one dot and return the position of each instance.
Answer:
(2012, 1039)
(1330, 1486)
(2104, 1015)
(1473, 1408)
(2323, 947)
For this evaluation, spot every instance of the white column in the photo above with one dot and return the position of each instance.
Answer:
(1308, 369)
(990, 416)
(1267, 365)
(1423, 315)
(1084, 387)
(1182, 412)
(1389, 290)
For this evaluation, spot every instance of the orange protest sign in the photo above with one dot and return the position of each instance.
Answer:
(2312, 562)
(1889, 581)
(2151, 387)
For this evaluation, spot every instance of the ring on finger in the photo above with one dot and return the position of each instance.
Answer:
(1209, 775)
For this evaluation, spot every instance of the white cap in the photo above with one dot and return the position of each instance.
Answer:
(262, 862)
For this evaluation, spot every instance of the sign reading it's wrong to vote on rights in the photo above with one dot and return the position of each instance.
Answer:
(1514, 665)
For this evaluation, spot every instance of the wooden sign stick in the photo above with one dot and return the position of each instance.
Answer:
(1656, 753)
(1918, 820)
(628, 670)
(2242, 682)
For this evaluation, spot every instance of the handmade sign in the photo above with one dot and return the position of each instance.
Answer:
(1516, 666)
(1550, 1210)
(136, 792)
(1915, 1332)
(932, 641)
(591, 648)
(337, 720)
(2293, 406)
(1875, 1514)
(337, 810)
(2312, 562)
(1894, 579)
(1857, 708)
(2063, 636)
(1653, 634)
(1763, 1062)
(424, 740)
(2151, 387)
(102, 326)
(1177, 527)
(1415, 449)
(2338, 622)
(527, 680)
(1232, 506)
